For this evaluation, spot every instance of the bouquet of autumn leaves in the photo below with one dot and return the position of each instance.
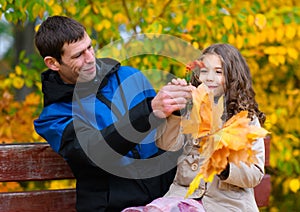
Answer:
(221, 143)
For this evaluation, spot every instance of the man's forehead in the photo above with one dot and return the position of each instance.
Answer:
(70, 49)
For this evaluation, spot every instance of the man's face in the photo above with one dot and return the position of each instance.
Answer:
(78, 61)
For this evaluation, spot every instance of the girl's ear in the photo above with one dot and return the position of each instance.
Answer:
(52, 63)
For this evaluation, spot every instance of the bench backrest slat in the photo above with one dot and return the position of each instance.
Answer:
(37, 201)
(22, 162)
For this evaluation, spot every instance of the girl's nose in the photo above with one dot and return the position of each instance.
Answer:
(210, 75)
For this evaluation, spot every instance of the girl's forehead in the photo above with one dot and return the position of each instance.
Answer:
(212, 60)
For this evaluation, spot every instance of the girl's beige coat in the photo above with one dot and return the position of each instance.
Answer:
(232, 194)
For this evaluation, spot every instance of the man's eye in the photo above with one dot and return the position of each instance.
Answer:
(78, 55)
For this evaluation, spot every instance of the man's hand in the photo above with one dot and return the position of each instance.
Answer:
(171, 97)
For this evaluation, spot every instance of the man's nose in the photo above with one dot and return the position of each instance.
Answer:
(89, 55)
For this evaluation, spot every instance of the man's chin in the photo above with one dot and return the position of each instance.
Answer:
(86, 78)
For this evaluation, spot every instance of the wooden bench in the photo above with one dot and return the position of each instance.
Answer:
(37, 162)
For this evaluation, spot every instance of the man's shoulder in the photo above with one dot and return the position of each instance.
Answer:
(129, 71)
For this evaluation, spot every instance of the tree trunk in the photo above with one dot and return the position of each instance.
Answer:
(23, 40)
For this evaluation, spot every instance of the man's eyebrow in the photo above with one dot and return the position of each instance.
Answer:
(80, 52)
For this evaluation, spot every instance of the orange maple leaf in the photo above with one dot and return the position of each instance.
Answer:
(231, 142)
(199, 119)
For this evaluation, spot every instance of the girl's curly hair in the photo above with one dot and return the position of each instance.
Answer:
(239, 93)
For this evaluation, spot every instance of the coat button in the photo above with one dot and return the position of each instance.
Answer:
(194, 166)
(196, 142)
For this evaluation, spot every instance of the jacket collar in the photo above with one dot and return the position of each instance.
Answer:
(55, 90)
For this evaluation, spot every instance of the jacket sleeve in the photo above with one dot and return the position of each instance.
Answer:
(249, 176)
(168, 136)
(119, 137)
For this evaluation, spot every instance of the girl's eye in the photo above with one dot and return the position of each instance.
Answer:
(203, 70)
(219, 71)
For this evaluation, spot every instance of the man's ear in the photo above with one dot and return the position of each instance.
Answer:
(52, 63)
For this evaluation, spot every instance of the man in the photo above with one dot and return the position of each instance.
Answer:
(101, 117)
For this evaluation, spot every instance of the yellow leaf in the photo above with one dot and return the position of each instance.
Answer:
(194, 185)
(227, 21)
(187, 37)
(104, 10)
(270, 50)
(12, 75)
(290, 32)
(294, 185)
(260, 21)
(150, 15)
(273, 59)
(271, 35)
(239, 42)
(95, 8)
(237, 156)
(86, 10)
(36, 28)
(199, 122)
(219, 158)
(279, 34)
(18, 82)
(252, 41)
(195, 45)
(250, 20)
(32, 99)
(292, 53)
(98, 27)
(56, 9)
(281, 59)
(256, 132)
(51, 2)
(120, 18)
(190, 25)
(72, 9)
(36, 10)
(106, 23)
(262, 36)
(178, 18)
(231, 39)
(231, 142)
(18, 70)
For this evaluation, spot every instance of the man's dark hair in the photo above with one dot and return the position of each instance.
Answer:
(54, 32)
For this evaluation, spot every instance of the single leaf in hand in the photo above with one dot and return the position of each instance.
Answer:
(198, 123)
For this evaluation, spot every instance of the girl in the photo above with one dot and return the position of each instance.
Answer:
(225, 72)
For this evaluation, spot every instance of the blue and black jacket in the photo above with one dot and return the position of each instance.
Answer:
(107, 119)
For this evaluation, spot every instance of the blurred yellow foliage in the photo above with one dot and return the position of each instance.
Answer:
(16, 118)
(266, 32)
(10, 186)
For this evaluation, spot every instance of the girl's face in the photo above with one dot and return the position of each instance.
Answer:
(212, 74)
